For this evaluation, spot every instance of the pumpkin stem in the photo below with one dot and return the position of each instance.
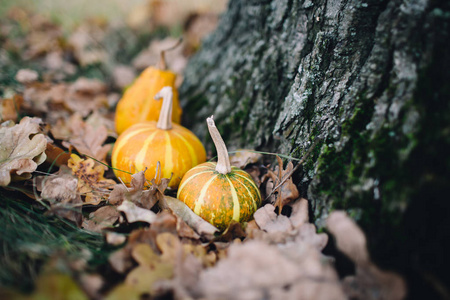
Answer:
(162, 55)
(223, 161)
(165, 115)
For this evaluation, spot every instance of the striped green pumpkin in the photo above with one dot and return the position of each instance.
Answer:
(219, 198)
(219, 192)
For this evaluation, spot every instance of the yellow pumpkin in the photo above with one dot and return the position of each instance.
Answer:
(145, 144)
(219, 192)
(138, 103)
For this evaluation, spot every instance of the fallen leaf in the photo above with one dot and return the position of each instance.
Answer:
(369, 282)
(142, 278)
(256, 270)
(279, 182)
(123, 76)
(84, 41)
(114, 238)
(234, 231)
(26, 76)
(121, 260)
(98, 120)
(242, 158)
(144, 255)
(268, 220)
(91, 182)
(9, 108)
(201, 226)
(54, 285)
(60, 190)
(56, 155)
(279, 229)
(39, 96)
(299, 214)
(22, 149)
(135, 213)
(138, 192)
(87, 140)
(102, 218)
(92, 285)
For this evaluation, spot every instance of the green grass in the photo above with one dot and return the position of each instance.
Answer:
(28, 239)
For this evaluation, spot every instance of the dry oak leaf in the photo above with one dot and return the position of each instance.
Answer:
(91, 182)
(9, 108)
(256, 270)
(241, 158)
(22, 149)
(26, 76)
(60, 189)
(369, 282)
(39, 96)
(135, 213)
(87, 140)
(138, 192)
(181, 210)
(85, 96)
(287, 192)
(103, 217)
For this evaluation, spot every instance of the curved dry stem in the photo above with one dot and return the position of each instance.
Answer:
(165, 115)
(223, 161)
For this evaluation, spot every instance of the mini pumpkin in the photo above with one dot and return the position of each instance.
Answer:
(219, 192)
(138, 103)
(145, 144)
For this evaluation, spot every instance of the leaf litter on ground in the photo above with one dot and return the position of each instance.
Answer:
(163, 248)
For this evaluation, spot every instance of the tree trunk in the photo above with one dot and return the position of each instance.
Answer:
(370, 78)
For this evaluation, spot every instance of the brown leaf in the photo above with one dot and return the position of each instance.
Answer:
(26, 76)
(135, 213)
(84, 41)
(114, 238)
(87, 140)
(22, 150)
(256, 270)
(233, 231)
(56, 155)
(242, 158)
(279, 182)
(121, 260)
(91, 182)
(201, 226)
(268, 220)
(92, 285)
(139, 192)
(123, 76)
(60, 189)
(300, 213)
(40, 96)
(9, 108)
(369, 282)
(281, 229)
(102, 218)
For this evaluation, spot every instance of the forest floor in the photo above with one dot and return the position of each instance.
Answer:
(70, 228)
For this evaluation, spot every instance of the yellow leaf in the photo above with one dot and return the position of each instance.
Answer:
(91, 181)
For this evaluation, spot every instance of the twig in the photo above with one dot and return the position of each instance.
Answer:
(295, 168)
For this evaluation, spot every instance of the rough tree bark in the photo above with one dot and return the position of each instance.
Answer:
(368, 77)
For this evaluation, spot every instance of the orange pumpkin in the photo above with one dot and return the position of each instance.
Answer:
(219, 192)
(138, 103)
(145, 144)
